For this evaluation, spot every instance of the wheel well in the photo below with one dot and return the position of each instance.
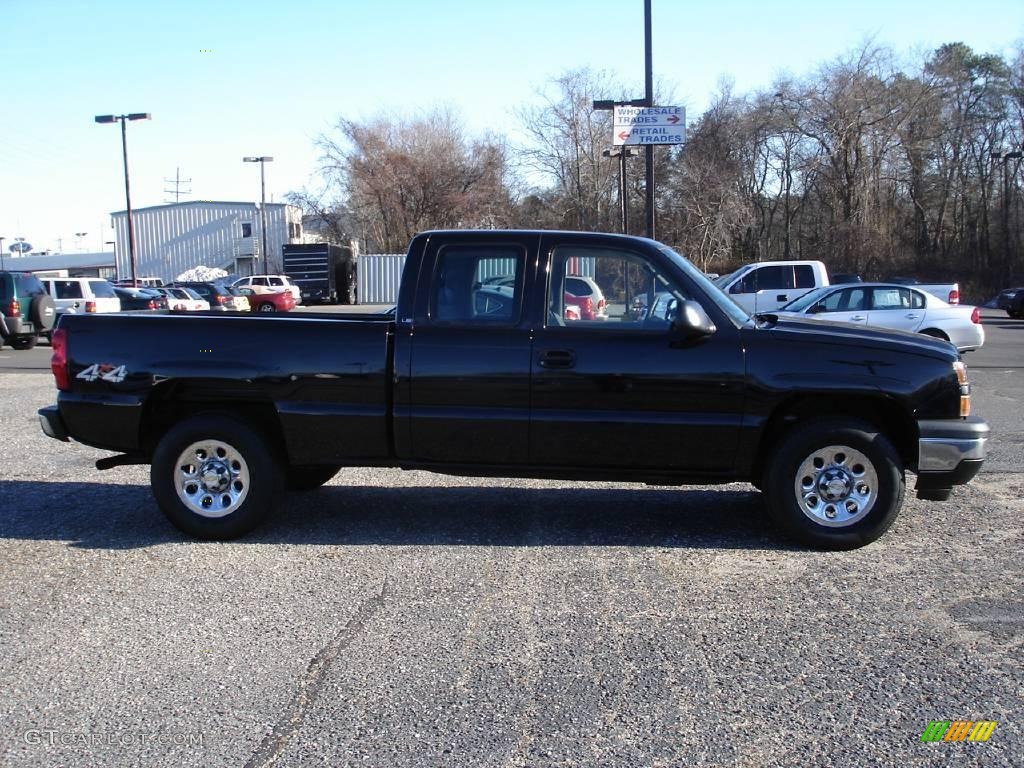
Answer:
(880, 412)
(173, 402)
(936, 333)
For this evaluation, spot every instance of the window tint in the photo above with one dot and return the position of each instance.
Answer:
(804, 275)
(275, 281)
(29, 285)
(621, 289)
(67, 289)
(917, 300)
(773, 278)
(477, 284)
(101, 289)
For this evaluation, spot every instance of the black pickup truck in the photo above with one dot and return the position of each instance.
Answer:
(491, 366)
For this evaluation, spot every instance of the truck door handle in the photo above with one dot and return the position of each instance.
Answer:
(557, 358)
(782, 297)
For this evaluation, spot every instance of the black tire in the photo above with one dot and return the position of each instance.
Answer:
(819, 515)
(23, 342)
(42, 312)
(266, 307)
(309, 478)
(248, 467)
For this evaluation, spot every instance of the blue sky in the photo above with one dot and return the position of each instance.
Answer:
(228, 79)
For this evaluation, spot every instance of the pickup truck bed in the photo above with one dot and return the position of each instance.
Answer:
(468, 379)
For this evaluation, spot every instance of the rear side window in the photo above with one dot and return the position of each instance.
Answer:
(804, 276)
(67, 289)
(29, 285)
(916, 300)
(101, 289)
(478, 284)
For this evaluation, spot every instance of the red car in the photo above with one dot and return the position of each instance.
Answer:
(263, 299)
(579, 308)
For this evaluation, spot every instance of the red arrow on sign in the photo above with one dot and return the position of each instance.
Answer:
(624, 135)
(674, 119)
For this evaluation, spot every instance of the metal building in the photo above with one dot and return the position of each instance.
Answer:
(172, 238)
(378, 277)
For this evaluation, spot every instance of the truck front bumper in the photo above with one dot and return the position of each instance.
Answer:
(52, 424)
(950, 452)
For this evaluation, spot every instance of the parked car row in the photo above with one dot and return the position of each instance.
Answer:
(30, 305)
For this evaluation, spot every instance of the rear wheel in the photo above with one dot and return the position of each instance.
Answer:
(23, 342)
(309, 478)
(834, 484)
(214, 477)
(935, 333)
(266, 307)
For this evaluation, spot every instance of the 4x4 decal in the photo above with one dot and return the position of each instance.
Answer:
(104, 371)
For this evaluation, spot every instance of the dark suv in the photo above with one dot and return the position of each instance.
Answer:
(219, 297)
(26, 310)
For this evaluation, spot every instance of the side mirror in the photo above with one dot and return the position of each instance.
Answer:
(692, 322)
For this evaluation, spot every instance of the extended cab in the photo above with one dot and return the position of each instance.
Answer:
(463, 379)
(767, 285)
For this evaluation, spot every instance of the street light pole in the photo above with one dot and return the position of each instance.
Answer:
(123, 120)
(263, 203)
(649, 98)
(2, 267)
(622, 153)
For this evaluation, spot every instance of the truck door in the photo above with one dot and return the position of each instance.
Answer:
(466, 396)
(622, 390)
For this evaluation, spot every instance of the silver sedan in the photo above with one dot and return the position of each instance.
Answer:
(900, 307)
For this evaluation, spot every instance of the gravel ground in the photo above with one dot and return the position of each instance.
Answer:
(410, 619)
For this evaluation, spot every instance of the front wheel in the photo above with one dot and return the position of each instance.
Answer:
(834, 484)
(214, 477)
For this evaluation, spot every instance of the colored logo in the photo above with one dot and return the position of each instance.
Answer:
(958, 730)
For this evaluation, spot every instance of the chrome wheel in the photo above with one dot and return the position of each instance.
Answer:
(836, 486)
(211, 478)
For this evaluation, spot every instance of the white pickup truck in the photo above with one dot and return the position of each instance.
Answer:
(767, 285)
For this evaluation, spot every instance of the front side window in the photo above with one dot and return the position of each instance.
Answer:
(478, 284)
(609, 288)
(849, 300)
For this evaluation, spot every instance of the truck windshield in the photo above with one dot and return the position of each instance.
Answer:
(736, 313)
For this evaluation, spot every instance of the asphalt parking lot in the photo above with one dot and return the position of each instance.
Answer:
(411, 619)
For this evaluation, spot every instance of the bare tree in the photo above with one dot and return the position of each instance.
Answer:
(402, 176)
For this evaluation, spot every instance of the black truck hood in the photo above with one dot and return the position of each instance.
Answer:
(851, 334)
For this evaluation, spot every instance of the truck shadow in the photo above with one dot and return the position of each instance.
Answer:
(101, 516)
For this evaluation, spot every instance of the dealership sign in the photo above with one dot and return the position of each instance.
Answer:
(649, 125)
